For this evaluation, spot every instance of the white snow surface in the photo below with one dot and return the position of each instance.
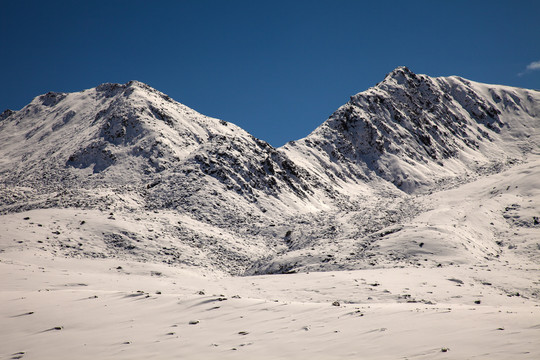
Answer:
(125, 215)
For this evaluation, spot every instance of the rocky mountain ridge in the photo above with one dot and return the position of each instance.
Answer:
(413, 131)
(229, 201)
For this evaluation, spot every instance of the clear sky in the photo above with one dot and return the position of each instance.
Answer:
(276, 68)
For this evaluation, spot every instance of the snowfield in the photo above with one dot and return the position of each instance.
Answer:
(406, 226)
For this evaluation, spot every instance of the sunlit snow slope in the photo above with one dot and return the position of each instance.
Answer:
(418, 132)
(224, 199)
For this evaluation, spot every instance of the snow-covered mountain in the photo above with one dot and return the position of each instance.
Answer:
(416, 131)
(228, 200)
(123, 215)
(131, 148)
(132, 135)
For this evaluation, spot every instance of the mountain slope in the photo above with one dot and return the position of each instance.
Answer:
(415, 131)
(190, 189)
(123, 215)
(134, 136)
(129, 148)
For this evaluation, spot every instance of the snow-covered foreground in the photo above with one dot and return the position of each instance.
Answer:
(66, 309)
(482, 301)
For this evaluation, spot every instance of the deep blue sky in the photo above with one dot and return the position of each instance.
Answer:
(276, 68)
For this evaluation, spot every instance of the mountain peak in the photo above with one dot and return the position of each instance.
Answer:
(414, 130)
(400, 74)
(402, 70)
(111, 89)
(6, 114)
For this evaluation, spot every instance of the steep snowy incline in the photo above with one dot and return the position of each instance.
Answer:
(131, 127)
(163, 183)
(416, 132)
(130, 152)
(134, 138)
